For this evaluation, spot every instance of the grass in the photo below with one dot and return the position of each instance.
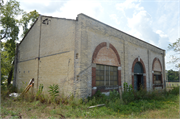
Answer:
(166, 106)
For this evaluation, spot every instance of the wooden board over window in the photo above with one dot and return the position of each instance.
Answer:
(157, 66)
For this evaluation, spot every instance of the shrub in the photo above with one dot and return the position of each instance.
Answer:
(128, 94)
(174, 91)
(39, 92)
(53, 91)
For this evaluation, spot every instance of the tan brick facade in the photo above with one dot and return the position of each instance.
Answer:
(66, 52)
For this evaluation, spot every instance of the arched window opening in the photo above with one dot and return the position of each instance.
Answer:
(106, 70)
(157, 73)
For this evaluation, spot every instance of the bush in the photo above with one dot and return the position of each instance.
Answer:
(174, 91)
(128, 94)
(53, 91)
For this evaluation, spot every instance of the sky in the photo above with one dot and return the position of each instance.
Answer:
(154, 21)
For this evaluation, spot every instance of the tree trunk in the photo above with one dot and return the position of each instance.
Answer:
(10, 76)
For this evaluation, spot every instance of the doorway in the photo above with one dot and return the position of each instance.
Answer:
(138, 76)
(139, 82)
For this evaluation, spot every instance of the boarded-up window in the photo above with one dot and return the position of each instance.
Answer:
(157, 72)
(157, 66)
(157, 78)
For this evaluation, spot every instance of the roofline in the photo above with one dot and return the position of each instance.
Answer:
(92, 19)
(29, 30)
(119, 30)
(37, 20)
(57, 17)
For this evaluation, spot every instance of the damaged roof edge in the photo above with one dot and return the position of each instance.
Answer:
(119, 30)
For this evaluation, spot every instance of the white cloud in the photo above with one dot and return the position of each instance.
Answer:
(141, 25)
(72, 8)
(129, 4)
(161, 33)
(168, 18)
(44, 7)
(115, 18)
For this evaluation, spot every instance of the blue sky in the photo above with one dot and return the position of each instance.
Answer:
(154, 21)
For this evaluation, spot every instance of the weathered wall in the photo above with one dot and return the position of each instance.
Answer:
(57, 54)
(28, 57)
(56, 36)
(161, 59)
(47, 54)
(64, 55)
(26, 70)
(128, 47)
(29, 47)
(57, 69)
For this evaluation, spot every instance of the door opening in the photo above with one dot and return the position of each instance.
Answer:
(139, 82)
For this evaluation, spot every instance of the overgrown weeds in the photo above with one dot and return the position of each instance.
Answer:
(134, 102)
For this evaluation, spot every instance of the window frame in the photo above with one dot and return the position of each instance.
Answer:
(104, 74)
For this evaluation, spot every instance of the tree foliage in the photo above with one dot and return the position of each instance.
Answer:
(28, 18)
(176, 57)
(9, 22)
(173, 75)
(9, 13)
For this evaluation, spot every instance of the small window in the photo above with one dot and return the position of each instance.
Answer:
(106, 75)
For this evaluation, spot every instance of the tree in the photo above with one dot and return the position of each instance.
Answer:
(28, 18)
(9, 33)
(176, 47)
(173, 75)
(9, 23)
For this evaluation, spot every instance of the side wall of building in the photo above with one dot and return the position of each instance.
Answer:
(129, 48)
(47, 55)
(56, 64)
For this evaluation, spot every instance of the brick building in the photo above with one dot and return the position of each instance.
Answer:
(85, 55)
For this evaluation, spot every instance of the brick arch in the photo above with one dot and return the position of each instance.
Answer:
(101, 45)
(144, 71)
(135, 61)
(97, 49)
(156, 59)
(104, 44)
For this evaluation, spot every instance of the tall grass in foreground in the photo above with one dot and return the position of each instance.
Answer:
(133, 101)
